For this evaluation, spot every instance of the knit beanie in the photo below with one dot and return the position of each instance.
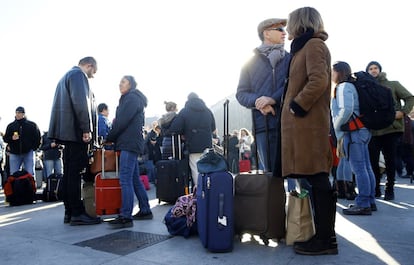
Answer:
(373, 63)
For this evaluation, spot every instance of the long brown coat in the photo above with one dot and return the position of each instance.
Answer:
(305, 140)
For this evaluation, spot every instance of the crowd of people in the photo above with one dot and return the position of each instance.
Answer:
(294, 114)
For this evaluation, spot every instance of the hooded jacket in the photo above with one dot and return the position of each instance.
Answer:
(398, 93)
(196, 122)
(126, 131)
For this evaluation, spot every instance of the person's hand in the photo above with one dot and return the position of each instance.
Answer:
(263, 101)
(53, 144)
(86, 137)
(268, 109)
(399, 115)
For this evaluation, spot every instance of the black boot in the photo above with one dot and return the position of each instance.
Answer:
(340, 185)
(324, 241)
(350, 192)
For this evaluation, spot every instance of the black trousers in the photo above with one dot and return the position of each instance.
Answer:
(324, 204)
(75, 161)
(386, 143)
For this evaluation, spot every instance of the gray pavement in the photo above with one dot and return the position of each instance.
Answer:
(35, 234)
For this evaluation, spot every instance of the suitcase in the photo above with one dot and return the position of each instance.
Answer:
(107, 194)
(145, 181)
(108, 200)
(172, 176)
(259, 204)
(215, 221)
(245, 166)
(54, 188)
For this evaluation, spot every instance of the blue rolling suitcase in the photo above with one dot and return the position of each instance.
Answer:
(215, 220)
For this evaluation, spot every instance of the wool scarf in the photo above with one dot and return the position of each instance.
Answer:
(274, 52)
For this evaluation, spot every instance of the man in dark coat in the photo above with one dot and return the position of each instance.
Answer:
(196, 123)
(23, 138)
(73, 124)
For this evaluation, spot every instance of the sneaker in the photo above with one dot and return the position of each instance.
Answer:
(373, 207)
(121, 222)
(143, 216)
(357, 210)
(316, 246)
(378, 193)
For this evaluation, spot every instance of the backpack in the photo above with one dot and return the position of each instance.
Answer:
(20, 188)
(376, 103)
(54, 188)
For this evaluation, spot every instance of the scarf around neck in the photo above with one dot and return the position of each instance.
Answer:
(273, 52)
(300, 41)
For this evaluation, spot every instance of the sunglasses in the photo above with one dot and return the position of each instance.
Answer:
(278, 29)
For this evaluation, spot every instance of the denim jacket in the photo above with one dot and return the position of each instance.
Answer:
(343, 105)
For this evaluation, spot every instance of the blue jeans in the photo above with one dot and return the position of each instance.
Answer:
(52, 166)
(356, 150)
(25, 160)
(344, 172)
(130, 183)
(149, 165)
(262, 149)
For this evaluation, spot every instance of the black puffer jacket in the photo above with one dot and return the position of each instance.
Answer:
(74, 110)
(126, 131)
(196, 122)
(29, 136)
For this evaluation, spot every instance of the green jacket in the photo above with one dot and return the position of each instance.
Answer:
(399, 93)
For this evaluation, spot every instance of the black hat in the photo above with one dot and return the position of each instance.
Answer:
(20, 109)
(373, 63)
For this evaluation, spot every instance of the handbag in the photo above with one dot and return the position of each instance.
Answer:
(300, 223)
(181, 218)
(210, 161)
(104, 157)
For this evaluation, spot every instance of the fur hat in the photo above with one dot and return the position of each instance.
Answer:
(268, 23)
(373, 63)
(20, 109)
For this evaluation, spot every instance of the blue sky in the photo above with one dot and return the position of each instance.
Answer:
(173, 47)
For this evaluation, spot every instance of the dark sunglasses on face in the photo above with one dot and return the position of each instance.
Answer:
(278, 29)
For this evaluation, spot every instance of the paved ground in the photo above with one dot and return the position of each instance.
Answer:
(35, 234)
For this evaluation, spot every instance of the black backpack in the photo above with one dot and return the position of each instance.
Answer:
(54, 188)
(20, 188)
(376, 104)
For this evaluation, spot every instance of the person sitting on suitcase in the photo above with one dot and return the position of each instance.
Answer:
(197, 124)
(126, 133)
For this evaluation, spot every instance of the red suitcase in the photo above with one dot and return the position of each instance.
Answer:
(108, 198)
(145, 181)
(244, 166)
(107, 194)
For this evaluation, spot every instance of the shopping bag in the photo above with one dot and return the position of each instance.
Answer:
(300, 223)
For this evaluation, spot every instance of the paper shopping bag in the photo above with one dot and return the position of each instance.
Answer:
(300, 224)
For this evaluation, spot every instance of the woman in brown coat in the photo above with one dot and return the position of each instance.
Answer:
(305, 124)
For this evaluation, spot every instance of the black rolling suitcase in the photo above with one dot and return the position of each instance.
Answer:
(259, 203)
(171, 176)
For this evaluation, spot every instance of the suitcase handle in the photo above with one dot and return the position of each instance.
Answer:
(221, 219)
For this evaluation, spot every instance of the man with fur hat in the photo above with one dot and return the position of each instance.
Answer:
(386, 139)
(261, 86)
